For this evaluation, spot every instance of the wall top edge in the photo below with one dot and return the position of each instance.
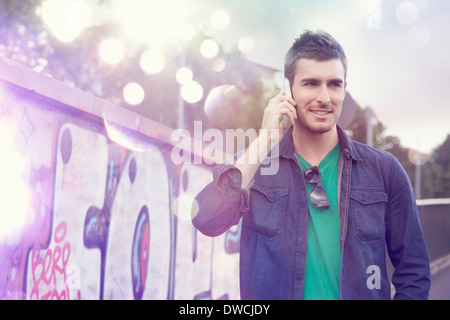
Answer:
(24, 77)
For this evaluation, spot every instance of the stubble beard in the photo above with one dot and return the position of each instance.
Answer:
(317, 127)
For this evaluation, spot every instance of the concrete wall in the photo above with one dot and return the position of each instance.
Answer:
(91, 205)
(435, 219)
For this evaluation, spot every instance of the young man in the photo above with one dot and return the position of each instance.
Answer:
(319, 227)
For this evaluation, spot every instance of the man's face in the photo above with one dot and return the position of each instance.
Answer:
(319, 89)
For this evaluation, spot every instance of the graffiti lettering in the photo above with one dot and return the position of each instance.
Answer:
(103, 220)
(49, 269)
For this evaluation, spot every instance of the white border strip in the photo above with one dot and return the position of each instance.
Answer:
(433, 202)
(440, 264)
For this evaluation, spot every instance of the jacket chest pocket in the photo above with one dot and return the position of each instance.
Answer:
(368, 212)
(268, 206)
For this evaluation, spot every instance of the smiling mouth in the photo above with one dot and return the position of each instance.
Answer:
(320, 113)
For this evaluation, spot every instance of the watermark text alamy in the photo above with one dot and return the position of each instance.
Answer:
(213, 146)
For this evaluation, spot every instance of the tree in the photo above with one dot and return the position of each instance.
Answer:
(26, 39)
(358, 131)
(436, 173)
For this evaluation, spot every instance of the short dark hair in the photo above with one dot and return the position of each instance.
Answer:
(314, 45)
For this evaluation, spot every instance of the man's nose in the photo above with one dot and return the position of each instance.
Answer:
(323, 96)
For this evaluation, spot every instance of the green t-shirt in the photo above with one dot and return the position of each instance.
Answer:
(323, 254)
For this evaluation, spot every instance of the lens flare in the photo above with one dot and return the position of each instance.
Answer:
(185, 207)
(152, 61)
(152, 21)
(66, 18)
(184, 75)
(133, 93)
(407, 13)
(418, 37)
(15, 195)
(209, 48)
(246, 44)
(192, 91)
(218, 65)
(115, 125)
(112, 51)
(418, 158)
(219, 19)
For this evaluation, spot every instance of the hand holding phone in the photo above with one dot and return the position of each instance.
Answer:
(287, 89)
(280, 112)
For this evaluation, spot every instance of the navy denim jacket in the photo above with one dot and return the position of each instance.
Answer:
(377, 210)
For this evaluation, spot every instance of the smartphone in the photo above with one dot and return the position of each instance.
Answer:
(287, 89)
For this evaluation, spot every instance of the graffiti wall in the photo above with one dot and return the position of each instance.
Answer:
(86, 215)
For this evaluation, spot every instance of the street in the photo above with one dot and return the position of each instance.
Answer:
(440, 279)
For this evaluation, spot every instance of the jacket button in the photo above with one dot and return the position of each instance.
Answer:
(300, 240)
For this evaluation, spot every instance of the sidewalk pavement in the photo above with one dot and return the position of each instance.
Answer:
(440, 279)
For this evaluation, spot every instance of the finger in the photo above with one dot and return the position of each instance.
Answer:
(292, 101)
(289, 101)
(289, 114)
(291, 108)
(283, 97)
(282, 126)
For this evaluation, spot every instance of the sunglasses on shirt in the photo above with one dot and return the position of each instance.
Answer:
(317, 196)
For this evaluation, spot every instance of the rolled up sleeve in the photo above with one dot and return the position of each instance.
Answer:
(222, 202)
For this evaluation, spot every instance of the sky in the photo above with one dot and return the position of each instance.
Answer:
(397, 50)
(397, 53)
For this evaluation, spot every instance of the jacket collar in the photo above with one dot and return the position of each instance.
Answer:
(348, 149)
